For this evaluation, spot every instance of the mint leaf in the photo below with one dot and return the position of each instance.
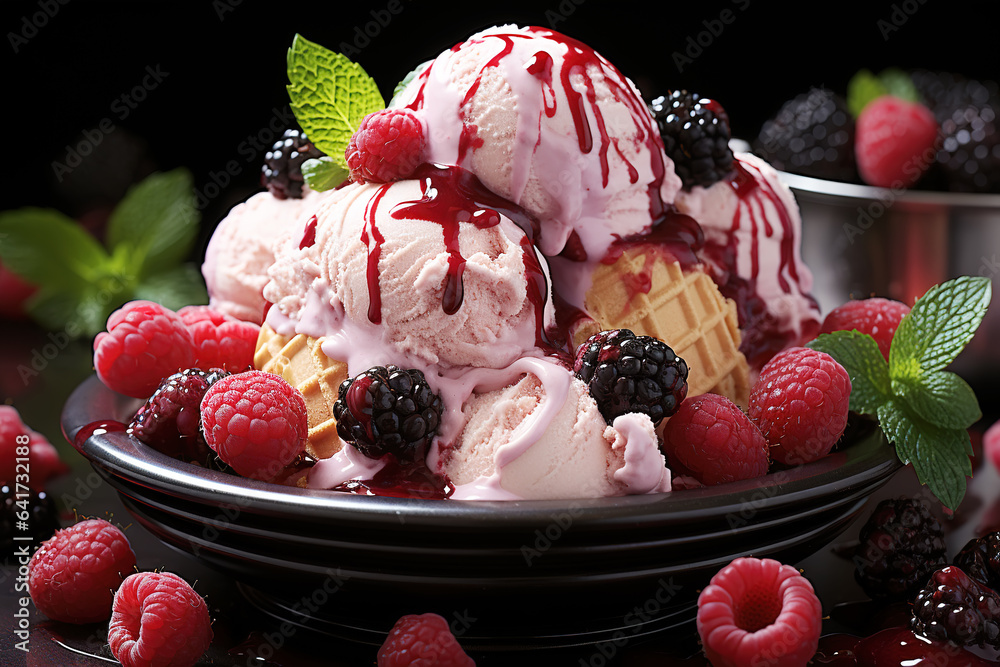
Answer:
(858, 353)
(940, 325)
(862, 89)
(414, 73)
(898, 84)
(939, 456)
(157, 221)
(943, 399)
(49, 249)
(175, 288)
(323, 173)
(330, 95)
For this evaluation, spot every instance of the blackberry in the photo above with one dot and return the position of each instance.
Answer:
(901, 545)
(953, 606)
(388, 410)
(970, 148)
(170, 420)
(812, 135)
(282, 170)
(629, 373)
(943, 92)
(42, 521)
(980, 559)
(696, 135)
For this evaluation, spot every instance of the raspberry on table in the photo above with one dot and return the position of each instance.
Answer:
(144, 343)
(43, 458)
(158, 621)
(388, 410)
(980, 559)
(953, 606)
(695, 132)
(899, 547)
(895, 142)
(73, 576)
(256, 422)
(759, 612)
(423, 640)
(800, 404)
(877, 317)
(629, 373)
(220, 340)
(281, 172)
(713, 441)
(387, 146)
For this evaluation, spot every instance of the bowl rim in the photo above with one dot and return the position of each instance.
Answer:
(859, 192)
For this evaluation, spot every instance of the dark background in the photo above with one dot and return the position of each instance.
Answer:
(225, 66)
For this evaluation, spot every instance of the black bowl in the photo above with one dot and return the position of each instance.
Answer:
(626, 567)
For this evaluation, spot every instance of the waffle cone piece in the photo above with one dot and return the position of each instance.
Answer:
(301, 362)
(682, 308)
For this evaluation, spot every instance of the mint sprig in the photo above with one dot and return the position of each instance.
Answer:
(80, 281)
(864, 87)
(924, 410)
(330, 95)
(324, 173)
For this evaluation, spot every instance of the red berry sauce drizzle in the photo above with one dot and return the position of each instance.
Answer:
(96, 428)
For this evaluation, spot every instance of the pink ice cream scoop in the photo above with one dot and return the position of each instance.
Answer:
(548, 123)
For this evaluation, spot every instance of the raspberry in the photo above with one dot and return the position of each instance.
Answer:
(281, 173)
(800, 404)
(952, 606)
(991, 444)
(388, 410)
(73, 576)
(423, 640)
(714, 441)
(145, 343)
(695, 132)
(629, 373)
(900, 545)
(42, 457)
(43, 518)
(759, 612)
(388, 146)
(255, 422)
(876, 317)
(980, 559)
(170, 419)
(895, 142)
(158, 621)
(220, 341)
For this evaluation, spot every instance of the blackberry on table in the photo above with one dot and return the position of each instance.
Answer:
(812, 135)
(980, 559)
(901, 545)
(953, 606)
(42, 522)
(282, 170)
(696, 134)
(629, 373)
(388, 410)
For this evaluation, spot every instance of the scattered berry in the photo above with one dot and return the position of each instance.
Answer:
(388, 146)
(43, 518)
(991, 444)
(256, 422)
(901, 544)
(144, 343)
(423, 640)
(170, 420)
(759, 612)
(158, 621)
(876, 317)
(812, 135)
(43, 458)
(943, 92)
(952, 606)
(800, 404)
(629, 373)
(282, 170)
(220, 340)
(895, 142)
(73, 576)
(14, 292)
(387, 410)
(695, 132)
(980, 559)
(712, 440)
(970, 148)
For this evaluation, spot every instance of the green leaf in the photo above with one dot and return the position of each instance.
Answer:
(862, 89)
(330, 95)
(401, 86)
(899, 84)
(938, 328)
(323, 173)
(50, 250)
(176, 288)
(940, 456)
(858, 353)
(943, 399)
(157, 221)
